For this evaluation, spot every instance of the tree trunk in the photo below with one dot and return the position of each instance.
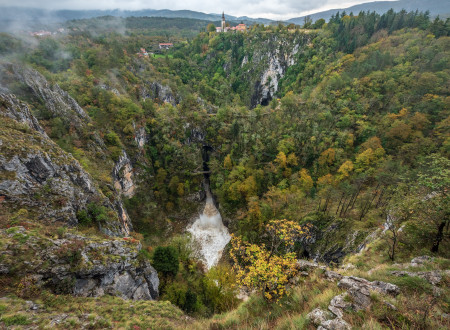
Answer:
(438, 238)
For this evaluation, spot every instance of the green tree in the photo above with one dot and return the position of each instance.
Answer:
(166, 260)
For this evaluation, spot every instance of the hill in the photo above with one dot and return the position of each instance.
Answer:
(20, 18)
(436, 7)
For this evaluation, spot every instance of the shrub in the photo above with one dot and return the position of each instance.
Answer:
(166, 260)
(15, 320)
(93, 214)
(27, 288)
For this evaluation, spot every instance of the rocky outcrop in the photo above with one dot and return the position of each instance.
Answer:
(57, 102)
(37, 175)
(140, 136)
(363, 286)
(335, 324)
(123, 176)
(158, 92)
(356, 297)
(11, 107)
(275, 58)
(318, 316)
(432, 277)
(79, 265)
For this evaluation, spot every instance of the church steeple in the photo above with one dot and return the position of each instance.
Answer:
(223, 22)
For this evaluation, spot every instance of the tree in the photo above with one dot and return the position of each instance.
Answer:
(166, 260)
(268, 267)
(434, 204)
(211, 27)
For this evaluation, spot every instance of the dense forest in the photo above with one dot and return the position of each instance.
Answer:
(340, 128)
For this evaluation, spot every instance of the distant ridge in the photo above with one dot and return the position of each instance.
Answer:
(18, 18)
(436, 7)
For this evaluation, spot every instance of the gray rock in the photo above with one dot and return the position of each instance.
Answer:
(82, 267)
(19, 111)
(305, 265)
(318, 316)
(418, 261)
(4, 269)
(363, 285)
(336, 324)
(58, 102)
(432, 277)
(123, 176)
(338, 304)
(45, 179)
(159, 92)
(332, 276)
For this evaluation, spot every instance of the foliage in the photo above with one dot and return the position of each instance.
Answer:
(268, 268)
(166, 260)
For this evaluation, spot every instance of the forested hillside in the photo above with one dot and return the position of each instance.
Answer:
(327, 142)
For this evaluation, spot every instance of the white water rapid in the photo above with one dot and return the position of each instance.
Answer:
(208, 230)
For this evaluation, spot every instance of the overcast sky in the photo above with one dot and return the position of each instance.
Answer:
(274, 9)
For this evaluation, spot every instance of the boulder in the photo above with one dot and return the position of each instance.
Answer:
(318, 316)
(336, 324)
(305, 265)
(338, 304)
(363, 285)
(419, 261)
(332, 276)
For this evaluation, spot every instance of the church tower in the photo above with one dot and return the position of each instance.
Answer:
(223, 22)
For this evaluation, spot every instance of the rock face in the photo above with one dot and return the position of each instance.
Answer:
(159, 92)
(37, 175)
(123, 176)
(13, 108)
(58, 102)
(140, 136)
(335, 240)
(275, 58)
(80, 265)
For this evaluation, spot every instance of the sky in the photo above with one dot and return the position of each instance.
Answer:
(273, 9)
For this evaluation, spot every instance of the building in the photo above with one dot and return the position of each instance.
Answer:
(225, 28)
(165, 45)
(241, 27)
(223, 22)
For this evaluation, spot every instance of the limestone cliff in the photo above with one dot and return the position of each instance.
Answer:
(37, 175)
(76, 264)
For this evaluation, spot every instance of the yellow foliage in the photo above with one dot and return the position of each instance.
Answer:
(268, 269)
(227, 163)
(327, 157)
(325, 180)
(306, 182)
(292, 159)
(345, 169)
(281, 159)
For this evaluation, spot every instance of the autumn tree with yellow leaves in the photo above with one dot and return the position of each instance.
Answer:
(268, 267)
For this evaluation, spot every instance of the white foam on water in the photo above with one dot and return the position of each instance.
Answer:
(208, 230)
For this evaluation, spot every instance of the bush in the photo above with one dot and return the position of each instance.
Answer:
(166, 260)
(94, 214)
(15, 320)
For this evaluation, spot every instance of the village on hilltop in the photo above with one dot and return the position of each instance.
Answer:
(223, 28)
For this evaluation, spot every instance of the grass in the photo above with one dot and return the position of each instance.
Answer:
(94, 313)
(15, 320)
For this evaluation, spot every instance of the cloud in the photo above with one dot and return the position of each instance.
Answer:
(275, 9)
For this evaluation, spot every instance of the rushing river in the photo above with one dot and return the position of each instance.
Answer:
(211, 234)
